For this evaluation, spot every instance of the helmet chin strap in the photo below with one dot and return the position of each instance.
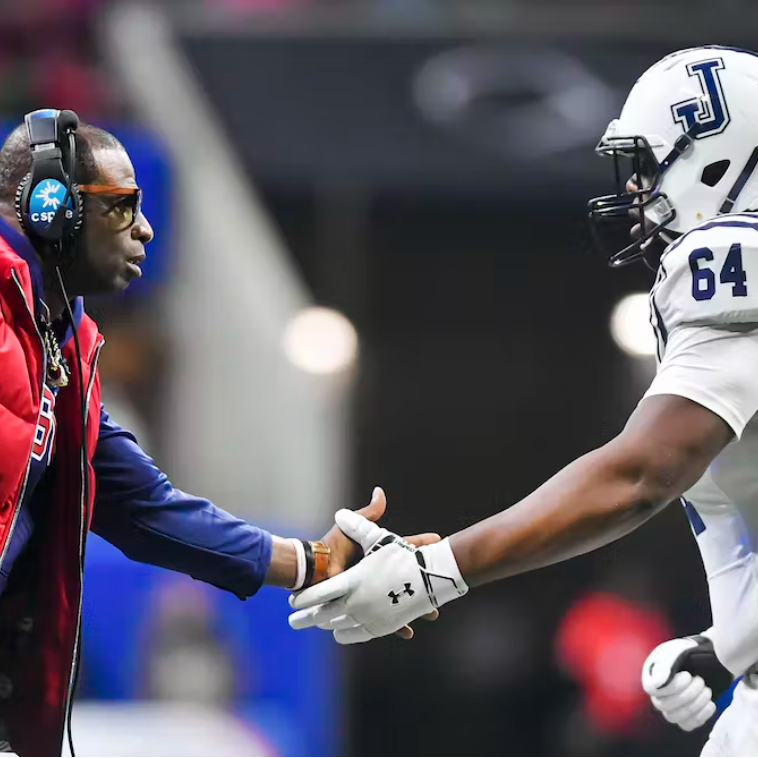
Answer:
(668, 236)
(739, 185)
(683, 144)
(655, 247)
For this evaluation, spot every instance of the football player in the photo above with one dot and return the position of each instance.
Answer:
(689, 127)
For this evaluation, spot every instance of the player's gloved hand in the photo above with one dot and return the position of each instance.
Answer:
(392, 586)
(683, 677)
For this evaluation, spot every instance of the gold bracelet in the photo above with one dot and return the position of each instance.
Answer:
(317, 557)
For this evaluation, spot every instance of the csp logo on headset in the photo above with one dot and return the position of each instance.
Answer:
(45, 200)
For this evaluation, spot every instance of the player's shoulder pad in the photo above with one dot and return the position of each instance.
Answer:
(709, 276)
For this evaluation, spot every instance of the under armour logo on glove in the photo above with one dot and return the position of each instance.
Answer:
(397, 595)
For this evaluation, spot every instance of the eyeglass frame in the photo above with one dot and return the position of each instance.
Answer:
(108, 189)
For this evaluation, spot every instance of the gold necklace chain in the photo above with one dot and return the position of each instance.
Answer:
(58, 372)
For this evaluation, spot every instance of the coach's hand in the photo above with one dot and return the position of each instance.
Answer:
(392, 586)
(677, 675)
(346, 552)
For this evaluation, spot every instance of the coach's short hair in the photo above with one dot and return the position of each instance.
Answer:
(16, 157)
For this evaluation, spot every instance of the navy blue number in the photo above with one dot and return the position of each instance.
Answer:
(703, 279)
(732, 272)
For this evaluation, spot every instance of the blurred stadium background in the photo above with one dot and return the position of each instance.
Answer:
(371, 267)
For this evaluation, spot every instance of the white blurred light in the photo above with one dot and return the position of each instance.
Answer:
(321, 341)
(630, 325)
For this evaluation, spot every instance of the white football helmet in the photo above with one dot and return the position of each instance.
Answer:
(690, 126)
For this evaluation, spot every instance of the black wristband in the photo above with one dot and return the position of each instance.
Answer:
(310, 563)
(702, 661)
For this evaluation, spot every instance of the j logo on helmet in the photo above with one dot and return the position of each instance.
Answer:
(707, 113)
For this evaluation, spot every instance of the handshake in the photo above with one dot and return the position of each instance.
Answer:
(400, 580)
(394, 584)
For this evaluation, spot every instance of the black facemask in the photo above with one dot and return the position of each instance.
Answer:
(624, 206)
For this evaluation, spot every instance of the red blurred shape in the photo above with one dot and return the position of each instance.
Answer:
(602, 642)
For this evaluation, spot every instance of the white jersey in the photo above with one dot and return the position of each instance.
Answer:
(704, 307)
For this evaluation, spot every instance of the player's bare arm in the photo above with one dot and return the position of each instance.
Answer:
(666, 446)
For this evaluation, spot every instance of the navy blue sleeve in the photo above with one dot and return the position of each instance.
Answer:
(143, 515)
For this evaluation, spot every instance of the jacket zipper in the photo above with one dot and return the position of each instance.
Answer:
(20, 500)
(84, 466)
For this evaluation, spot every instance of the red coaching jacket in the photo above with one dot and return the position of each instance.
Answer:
(38, 622)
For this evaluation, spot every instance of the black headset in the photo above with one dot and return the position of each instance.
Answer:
(48, 202)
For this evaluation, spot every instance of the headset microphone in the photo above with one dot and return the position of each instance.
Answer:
(68, 120)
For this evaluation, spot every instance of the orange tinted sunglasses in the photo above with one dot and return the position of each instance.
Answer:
(124, 211)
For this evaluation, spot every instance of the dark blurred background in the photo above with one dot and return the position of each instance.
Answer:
(421, 168)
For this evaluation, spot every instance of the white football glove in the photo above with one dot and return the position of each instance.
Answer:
(671, 677)
(395, 584)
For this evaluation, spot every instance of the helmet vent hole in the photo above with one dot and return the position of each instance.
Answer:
(713, 173)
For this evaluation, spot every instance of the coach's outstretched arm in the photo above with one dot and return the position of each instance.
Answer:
(665, 448)
(138, 510)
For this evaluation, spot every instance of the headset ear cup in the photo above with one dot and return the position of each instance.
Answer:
(22, 208)
(22, 203)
